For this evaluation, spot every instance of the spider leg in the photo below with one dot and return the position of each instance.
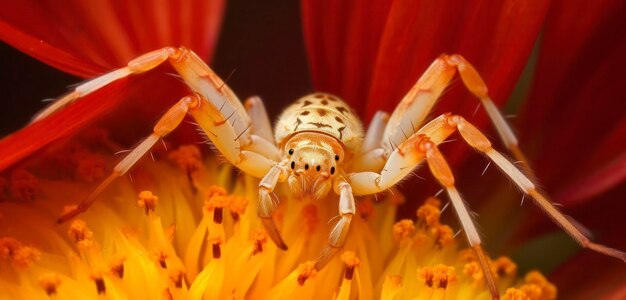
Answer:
(371, 157)
(477, 140)
(261, 124)
(337, 238)
(419, 101)
(441, 170)
(266, 204)
(413, 151)
(168, 122)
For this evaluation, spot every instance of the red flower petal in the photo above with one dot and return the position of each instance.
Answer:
(574, 118)
(86, 38)
(373, 68)
(102, 35)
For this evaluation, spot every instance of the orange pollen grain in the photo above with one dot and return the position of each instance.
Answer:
(215, 190)
(19, 255)
(514, 294)
(49, 283)
(504, 266)
(238, 205)
(217, 201)
(428, 214)
(259, 238)
(433, 201)
(547, 289)
(438, 277)
(148, 201)
(306, 271)
(473, 270)
(350, 259)
(79, 231)
(443, 235)
(403, 229)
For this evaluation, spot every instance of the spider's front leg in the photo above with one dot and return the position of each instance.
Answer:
(337, 238)
(227, 126)
(267, 205)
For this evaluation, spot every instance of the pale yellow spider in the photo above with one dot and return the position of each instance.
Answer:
(318, 143)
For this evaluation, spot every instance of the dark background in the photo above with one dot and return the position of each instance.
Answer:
(277, 50)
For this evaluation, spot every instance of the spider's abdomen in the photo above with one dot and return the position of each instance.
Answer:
(323, 113)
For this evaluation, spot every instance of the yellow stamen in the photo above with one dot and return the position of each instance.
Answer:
(147, 201)
(437, 277)
(537, 287)
(19, 255)
(403, 229)
(81, 234)
(514, 294)
(306, 271)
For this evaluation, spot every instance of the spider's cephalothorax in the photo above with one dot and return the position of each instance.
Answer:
(319, 144)
(316, 134)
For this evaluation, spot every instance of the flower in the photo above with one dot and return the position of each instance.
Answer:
(517, 27)
(173, 231)
(573, 103)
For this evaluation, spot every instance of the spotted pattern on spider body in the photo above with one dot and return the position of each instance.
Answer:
(322, 113)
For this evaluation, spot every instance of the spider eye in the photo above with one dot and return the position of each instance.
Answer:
(336, 157)
(318, 168)
(290, 151)
(332, 170)
(293, 165)
(306, 167)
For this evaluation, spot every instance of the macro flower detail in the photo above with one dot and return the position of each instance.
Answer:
(181, 227)
(184, 228)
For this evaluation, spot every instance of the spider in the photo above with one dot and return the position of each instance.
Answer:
(318, 144)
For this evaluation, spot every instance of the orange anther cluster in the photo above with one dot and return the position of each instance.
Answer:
(350, 259)
(187, 157)
(514, 294)
(403, 229)
(428, 214)
(473, 270)
(217, 202)
(438, 277)
(443, 235)
(259, 239)
(238, 205)
(19, 255)
(148, 201)
(504, 266)
(79, 231)
(49, 283)
(305, 271)
(99, 281)
(538, 287)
